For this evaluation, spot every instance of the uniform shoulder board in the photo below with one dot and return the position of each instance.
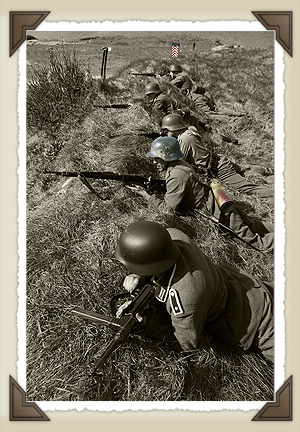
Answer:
(175, 303)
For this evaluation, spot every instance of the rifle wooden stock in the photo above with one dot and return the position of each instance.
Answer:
(152, 135)
(124, 325)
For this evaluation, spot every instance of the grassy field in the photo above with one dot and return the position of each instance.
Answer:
(72, 233)
(135, 46)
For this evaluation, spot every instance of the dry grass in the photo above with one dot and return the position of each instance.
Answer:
(71, 238)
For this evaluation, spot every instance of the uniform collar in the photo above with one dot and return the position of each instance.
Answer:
(163, 284)
(172, 165)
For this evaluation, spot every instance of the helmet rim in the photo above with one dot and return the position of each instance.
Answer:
(176, 122)
(146, 248)
(166, 148)
(152, 88)
(175, 68)
(166, 158)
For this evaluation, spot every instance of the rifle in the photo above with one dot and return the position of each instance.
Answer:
(148, 183)
(149, 74)
(123, 325)
(223, 227)
(152, 135)
(116, 106)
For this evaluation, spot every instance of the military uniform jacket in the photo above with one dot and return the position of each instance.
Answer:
(227, 300)
(182, 81)
(192, 148)
(185, 192)
(164, 103)
(203, 103)
(183, 189)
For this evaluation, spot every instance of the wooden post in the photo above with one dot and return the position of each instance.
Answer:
(104, 61)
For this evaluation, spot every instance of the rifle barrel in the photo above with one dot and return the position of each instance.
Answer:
(118, 340)
(116, 106)
(109, 176)
(143, 73)
(225, 228)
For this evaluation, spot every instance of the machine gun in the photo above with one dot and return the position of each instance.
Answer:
(124, 325)
(149, 183)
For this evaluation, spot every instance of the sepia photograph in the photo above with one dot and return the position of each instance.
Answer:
(150, 216)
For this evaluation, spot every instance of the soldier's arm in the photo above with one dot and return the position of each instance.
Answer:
(178, 81)
(187, 329)
(173, 197)
(194, 152)
(160, 107)
(200, 155)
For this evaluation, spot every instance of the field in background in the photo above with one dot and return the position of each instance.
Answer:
(72, 233)
(135, 45)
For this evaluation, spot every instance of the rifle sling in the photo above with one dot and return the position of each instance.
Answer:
(224, 227)
(89, 186)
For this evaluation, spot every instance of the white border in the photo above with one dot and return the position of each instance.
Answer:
(178, 26)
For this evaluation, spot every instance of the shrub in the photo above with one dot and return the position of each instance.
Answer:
(59, 95)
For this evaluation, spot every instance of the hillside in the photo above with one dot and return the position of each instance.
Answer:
(72, 233)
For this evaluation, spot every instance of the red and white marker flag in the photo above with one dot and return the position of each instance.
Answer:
(175, 49)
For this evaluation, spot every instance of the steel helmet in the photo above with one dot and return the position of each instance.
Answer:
(152, 87)
(172, 122)
(175, 68)
(146, 248)
(166, 148)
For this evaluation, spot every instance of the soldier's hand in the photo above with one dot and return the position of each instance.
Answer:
(131, 282)
(140, 318)
(139, 190)
(121, 309)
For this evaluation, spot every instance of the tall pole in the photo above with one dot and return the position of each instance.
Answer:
(104, 61)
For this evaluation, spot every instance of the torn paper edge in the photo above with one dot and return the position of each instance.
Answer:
(178, 26)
